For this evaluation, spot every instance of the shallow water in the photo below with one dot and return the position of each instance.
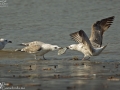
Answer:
(61, 74)
(52, 22)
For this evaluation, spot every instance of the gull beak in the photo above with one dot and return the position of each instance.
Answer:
(9, 41)
(60, 48)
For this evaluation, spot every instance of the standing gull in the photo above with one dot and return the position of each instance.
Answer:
(38, 48)
(95, 40)
(3, 42)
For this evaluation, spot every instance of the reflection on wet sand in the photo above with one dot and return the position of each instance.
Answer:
(12, 54)
(65, 74)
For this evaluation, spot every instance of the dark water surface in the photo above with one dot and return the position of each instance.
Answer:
(52, 21)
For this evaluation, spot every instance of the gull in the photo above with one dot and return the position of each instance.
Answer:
(86, 47)
(94, 43)
(38, 48)
(3, 42)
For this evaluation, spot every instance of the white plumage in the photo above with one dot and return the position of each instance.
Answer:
(3, 42)
(38, 48)
(86, 47)
(91, 46)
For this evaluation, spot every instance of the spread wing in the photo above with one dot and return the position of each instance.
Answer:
(98, 29)
(86, 41)
(76, 37)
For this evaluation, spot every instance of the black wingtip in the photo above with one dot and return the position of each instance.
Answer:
(9, 41)
(113, 16)
(81, 32)
(71, 34)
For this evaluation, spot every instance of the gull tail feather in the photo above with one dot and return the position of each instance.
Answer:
(103, 47)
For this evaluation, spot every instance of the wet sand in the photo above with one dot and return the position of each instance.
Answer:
(52, 22)
(64, 74)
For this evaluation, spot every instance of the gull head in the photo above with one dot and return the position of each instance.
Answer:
(5, 41)
(72, 47)
(55, 47)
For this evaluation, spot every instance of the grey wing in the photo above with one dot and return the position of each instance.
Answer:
(32, 43)
(86, 41)
(36, 43)
(98, 29)
(76, 37)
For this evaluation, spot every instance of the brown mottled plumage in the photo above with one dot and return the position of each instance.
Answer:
(93, 45)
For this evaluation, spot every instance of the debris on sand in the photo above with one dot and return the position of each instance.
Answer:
(62, 76)
(76, 64)
(112, 78)
(30, 68)
(103, 66)
(75, 58)
(13, 75)
(47, 69)
(71, 87)
(55, 66)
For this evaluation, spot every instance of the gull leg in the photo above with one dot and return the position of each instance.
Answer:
(88, 58)
(83, 58)
(35, 57)
(44, 57)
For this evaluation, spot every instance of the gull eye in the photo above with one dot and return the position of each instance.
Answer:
(55, 47)
(6, 40)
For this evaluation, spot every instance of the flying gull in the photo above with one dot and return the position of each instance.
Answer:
(94, 43)
(3, 42)
(38, 48)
